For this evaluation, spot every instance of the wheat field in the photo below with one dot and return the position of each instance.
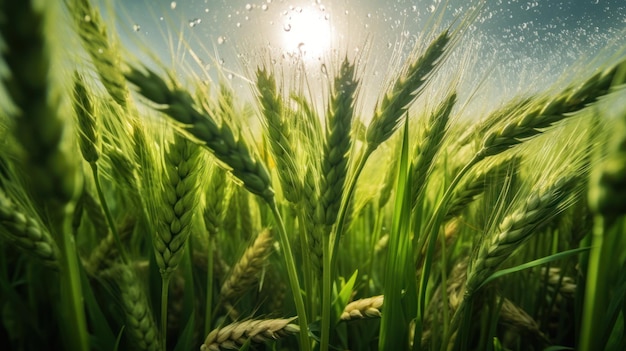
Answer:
(142, 211)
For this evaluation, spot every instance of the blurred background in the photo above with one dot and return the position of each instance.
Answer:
(513, 45)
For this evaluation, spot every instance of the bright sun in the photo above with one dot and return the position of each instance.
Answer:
(306, 33)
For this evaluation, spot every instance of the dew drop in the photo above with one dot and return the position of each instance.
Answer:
(238, 24)
(173, 5)
(287, 27)
(136, 27)
(299, 9)
(220, 40)
(327, 17)
(87, 18)
(230, 76)
(248, 7)
(207, 10)
(431, 8)
(221, 61)
(264, 7)
(194, 22)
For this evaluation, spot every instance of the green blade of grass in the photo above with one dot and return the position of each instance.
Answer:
(531, 264)
(393, 329)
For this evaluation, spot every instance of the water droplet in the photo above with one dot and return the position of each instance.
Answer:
(221, 40)
(230, 76)
(324, 70)
(87, 18)
(299, 9)
(173, 5)
(369, 15)
(431, 8)
(100, 50)
(194, 22)
(248, 7)
(161, 18)
(207, 10)
(327, 17)
(287, 27)
(221, 61)
(347, 12)
(136, 27)
(264, 7)
(238, 24)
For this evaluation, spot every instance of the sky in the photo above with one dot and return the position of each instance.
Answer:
(517, 44)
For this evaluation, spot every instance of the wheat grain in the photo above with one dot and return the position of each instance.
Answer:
(405, 90)
(214, 201)
(105, 254)
(221, 140)
(474, 186)
(233, 336)
(27, 233)
(140, 325)
(363, 308)
(279, 136)
(540, 115)
(517, 228)
(88, 140)
(245, 273)
(428, 144)
(337, 143)
(103, 52)
(179, 198)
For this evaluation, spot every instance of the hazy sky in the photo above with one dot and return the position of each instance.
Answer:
(523, 41)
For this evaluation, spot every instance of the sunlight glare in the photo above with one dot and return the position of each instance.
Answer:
(306, 33)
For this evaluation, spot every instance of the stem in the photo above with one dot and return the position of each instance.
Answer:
(326, 288)
(430, 230)
(165, 283)
(107, 212)
(209, 289)
(71, 291)
(307, 269)
(596, 299)
(293, 278)
(329, 257)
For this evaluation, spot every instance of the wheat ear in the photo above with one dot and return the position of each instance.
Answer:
(542, 115)
(214, 201)
(363, 308)
(405, 90)
(337, 143)
(221, 140)
(93, 34)
(25, 232)
(517, 228)
(475, 185)
(245, 273)
(428, 144)
(87, 123)
(140, 328)
(233, 336)
(178, 203)
(39, 125)
(279, 135)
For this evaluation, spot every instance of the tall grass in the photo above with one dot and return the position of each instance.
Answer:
(172, 226)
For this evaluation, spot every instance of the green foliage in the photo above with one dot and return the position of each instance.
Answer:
(503, 234)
